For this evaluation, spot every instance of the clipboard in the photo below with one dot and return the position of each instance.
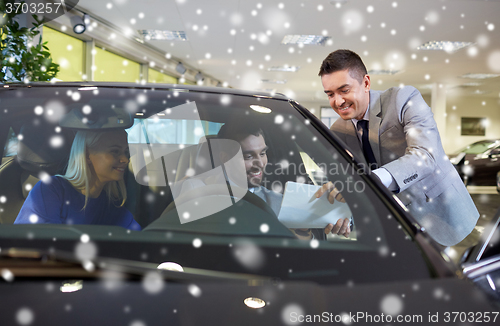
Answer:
(301, 209)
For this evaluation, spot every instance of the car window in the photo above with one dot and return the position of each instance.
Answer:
(495, 151)
(10, 148)
(185, 182)
(297, 153)
(479, 147)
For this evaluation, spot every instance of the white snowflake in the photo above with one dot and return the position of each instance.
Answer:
(85, 251)
(137, 323)
(84, 238)
(33, 218)
(249, 255)
(7, 275)
(197, 243)
(38, 110)
(56, 141)
(352, 21)
(194, 290)
(494, 61)
(153, 283)
(25, 316)
(391, 304)
(292, 309)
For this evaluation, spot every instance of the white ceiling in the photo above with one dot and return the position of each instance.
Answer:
(258, 33)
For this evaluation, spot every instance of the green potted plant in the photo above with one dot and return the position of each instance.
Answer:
(21, 60)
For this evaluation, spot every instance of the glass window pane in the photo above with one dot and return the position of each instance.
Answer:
(67, 52)
(112, 67)
(10, 148)
(154, 76)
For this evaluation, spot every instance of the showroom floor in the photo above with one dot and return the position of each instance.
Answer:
(487, 201)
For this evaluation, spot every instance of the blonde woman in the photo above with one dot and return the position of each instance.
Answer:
(91, 192)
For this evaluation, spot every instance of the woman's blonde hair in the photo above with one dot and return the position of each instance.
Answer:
(79, 173)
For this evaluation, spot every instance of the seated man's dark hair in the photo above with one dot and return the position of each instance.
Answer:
(239, 131)
(342, 60)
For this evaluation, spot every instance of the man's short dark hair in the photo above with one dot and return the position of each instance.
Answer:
(239, 131)
(341, 60)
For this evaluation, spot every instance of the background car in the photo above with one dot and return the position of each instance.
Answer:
(498, 181)
(478, 163)
(234, 264)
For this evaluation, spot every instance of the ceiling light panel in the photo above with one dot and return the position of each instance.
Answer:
(447, 46)
(470, 85)
(271, 81)
(154, 34)
(305, 39)
(479, 76)
(382, 72)
(284, 68)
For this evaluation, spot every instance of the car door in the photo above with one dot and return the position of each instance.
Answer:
(482, 263)
(485, 167)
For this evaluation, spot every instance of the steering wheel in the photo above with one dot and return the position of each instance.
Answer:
(220, 190)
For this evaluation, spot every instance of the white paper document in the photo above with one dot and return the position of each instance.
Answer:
(301, 209)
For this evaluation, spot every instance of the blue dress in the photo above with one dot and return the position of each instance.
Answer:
(58, 202)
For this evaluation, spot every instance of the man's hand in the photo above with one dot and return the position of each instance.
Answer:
(334, 193)
(342, 227)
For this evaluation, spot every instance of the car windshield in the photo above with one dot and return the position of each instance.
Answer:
(479, 147)
(191, 191)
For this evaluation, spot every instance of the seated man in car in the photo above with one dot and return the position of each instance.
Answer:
(254, 149)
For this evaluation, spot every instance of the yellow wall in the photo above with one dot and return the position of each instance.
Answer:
(155, 76)
(112, 67)
(67, 52)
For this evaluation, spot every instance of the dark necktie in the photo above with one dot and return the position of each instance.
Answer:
(367, 149)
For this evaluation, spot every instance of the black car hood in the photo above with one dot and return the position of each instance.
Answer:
(129, 303)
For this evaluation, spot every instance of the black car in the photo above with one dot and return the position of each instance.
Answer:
(498, 181)
(236, 263)
(478, 163)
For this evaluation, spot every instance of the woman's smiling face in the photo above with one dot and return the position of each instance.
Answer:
(109, 158)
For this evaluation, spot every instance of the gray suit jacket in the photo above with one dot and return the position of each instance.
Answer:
(406, 142)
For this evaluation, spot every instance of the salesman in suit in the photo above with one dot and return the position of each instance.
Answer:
(395, 132)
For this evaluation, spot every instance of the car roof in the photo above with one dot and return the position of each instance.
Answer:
(192, 88)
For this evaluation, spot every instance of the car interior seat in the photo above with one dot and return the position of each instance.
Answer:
(41, 149)
(147, 202)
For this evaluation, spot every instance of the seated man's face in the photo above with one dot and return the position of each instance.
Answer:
(254, 155)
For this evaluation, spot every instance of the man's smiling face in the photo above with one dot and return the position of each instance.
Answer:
(348, 97)
(254, 150)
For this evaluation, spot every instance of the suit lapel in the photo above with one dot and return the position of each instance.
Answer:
(260, 193)
(375, 120)
(351, 138)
